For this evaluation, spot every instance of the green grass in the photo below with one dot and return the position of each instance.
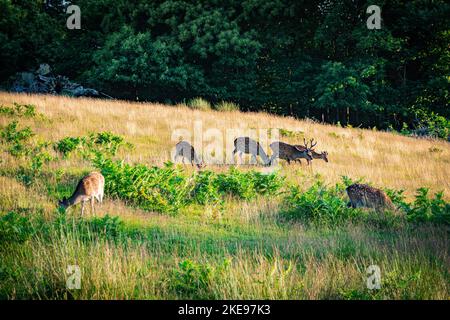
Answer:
(170, 233)
(185, 258)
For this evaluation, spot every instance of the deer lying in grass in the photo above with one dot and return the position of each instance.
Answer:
(249, 146)
(185, 150)
(290, 152)
(315, 155)
(363, 195)
(89, 188)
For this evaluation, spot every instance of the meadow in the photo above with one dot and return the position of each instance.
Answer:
(169, 231)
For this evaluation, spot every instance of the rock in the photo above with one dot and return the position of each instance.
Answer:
(43, 81)
(43, 70)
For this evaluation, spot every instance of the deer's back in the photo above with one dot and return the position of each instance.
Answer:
(363, 195)
(92, 184)
(284, 150)
(185, 149)
(247, 145)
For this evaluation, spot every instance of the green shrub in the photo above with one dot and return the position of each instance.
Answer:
(206, 189)
(191, 277)
(247, 185)
(169, 189)
(199, 104)
(14, 228)
(16, 139)
(68, 145)
(431, 124)
(155, 189)
(291, 134)
(226, 106)
(425, 209)
(19, 110)
(319, 204)
(110, 227)
(105, 142)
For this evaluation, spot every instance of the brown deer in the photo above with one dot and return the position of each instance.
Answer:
(363, 195)
(249, 146)
(185, 150)
(290, 152)
(89, 188)
(315, 155)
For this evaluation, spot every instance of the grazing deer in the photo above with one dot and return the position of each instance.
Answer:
(289, 152)
(315, 155)
(249, 146)
(363, 195)
(89, 188)
(185, 150)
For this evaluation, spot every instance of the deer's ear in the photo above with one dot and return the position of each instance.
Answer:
(298, 149)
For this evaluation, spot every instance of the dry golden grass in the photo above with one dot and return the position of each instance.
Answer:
(268, 258)
(385, 159)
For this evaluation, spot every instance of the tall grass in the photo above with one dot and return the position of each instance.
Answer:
(118, 261)
(241, 234)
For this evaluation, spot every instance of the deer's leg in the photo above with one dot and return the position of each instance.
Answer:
(82, 208)
(183, 160)
(92, 206)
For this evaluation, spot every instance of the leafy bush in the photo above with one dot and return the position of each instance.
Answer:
(25, 110)
(226, 106)
(319, 204)
(431, 124)
(291, 134)
(199, 104)
(157, 189)
(192, 278)
(16, 139)
(19, 145)
(106, 142)
(111, 227)
(247, 185)
(14, 228)
(169, 189)
(206, 189)
(68, 144)
(425, 209)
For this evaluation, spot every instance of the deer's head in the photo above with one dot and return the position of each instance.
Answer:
(201, 165)
(324, 156)
(64, 203)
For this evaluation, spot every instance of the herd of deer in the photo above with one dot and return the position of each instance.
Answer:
(246, 145)
(91, 187)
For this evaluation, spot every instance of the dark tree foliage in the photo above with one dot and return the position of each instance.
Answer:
(300, 58)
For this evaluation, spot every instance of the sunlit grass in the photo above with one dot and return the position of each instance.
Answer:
(251, 251)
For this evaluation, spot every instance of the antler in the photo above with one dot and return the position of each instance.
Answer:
(312, 143)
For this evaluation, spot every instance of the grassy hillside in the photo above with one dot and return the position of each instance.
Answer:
(233, 248)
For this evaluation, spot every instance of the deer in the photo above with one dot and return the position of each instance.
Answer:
(290, 152)
(315, 155)
(249, 146)
(89, 188)
(185, 150)
(363, 195)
